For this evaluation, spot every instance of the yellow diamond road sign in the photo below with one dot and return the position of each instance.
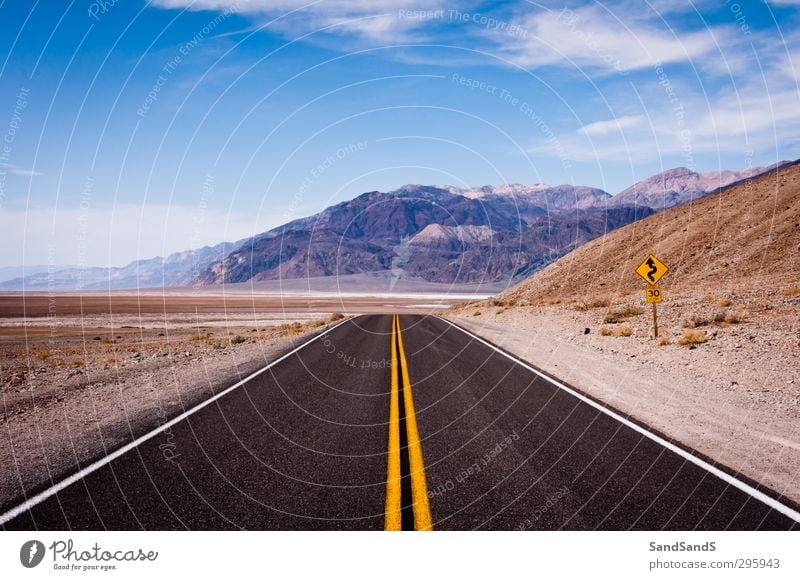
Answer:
(652, 269)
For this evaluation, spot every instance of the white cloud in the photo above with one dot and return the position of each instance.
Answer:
(612, 125)
(384, 21)
(593, 38)
(17, 170)
(117, 236)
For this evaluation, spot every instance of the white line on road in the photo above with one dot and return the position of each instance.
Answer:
(729, 479)
(40, 497)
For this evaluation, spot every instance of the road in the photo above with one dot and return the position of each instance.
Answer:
(403, 422)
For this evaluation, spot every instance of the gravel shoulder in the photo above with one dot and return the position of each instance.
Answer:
(72, 393)
(730, 391)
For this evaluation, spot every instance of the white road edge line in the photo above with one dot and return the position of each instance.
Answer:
(40, 497)
(749, 490)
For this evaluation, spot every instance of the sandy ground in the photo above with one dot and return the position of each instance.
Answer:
(734, 397)
(18, 308)
(75, 388)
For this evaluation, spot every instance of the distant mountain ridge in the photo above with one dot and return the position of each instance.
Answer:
(178, 269)
(439, 234)
(681, 185)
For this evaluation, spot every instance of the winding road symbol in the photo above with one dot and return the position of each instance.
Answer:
(653, 270)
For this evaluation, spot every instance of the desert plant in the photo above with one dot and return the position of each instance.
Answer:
(693, 336)
(476, 313)
(723, 303)
(605, 331)
(696, 320)
(336, 316)
(664, 340)
(623, 331)
(596, 303)
(794, 291)
(733, 318)
(622, 314)
(237, 339)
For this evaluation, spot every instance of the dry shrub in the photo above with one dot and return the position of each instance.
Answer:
(476, 313)
(76, 363)
(664, 341)
(733, 318)
(110, 360)
(693, 336)
(596, 303)
(791, 291)
(723, 317)
(499, 310)
(723, 303)
(623, 331)
(709, 298)
(696, 320)
(237, 339)
(336, 316)
(289, 329)
(622, 314)
(605, 331)
(42, 355)
(552, 301)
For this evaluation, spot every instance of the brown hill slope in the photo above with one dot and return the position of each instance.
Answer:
(745, 236)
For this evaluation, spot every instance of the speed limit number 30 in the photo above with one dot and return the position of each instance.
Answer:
(653, 295)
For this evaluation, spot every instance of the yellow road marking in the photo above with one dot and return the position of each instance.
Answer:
(393, 517)
(419, 486)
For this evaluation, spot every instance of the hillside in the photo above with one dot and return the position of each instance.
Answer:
(746, 234)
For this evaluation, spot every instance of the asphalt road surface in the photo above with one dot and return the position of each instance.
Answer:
(402, 423)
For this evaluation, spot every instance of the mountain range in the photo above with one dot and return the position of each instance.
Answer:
(435, 234)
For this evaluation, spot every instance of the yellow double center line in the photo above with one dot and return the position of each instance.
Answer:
(407, 506)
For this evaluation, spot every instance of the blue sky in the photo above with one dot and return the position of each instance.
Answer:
(132, 129)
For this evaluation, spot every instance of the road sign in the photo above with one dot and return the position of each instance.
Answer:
(653, 295)
(652, 269)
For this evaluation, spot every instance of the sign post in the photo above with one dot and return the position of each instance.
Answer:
(651, 270)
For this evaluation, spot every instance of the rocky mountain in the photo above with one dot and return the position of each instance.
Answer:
(431, 233)
(681, 185)
(438, 234)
